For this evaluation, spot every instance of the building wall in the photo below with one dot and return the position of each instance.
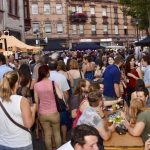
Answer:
(14, 24)
(53, 19)
(103, 38)
(116, 38)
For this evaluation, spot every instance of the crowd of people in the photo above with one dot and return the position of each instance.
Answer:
(88, 83)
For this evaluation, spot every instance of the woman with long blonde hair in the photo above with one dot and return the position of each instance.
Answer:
(18, 107)
(139, 115)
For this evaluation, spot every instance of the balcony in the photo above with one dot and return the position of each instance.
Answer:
(27, 24)
(78, 17)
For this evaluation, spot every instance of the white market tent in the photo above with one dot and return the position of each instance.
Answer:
(14, 43)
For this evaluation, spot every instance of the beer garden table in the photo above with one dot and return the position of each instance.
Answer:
(123, 142)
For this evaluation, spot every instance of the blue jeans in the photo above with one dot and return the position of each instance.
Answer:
(29, 147)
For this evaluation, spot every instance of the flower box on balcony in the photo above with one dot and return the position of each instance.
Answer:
(93, 16)
(105, 17)
(78, 17)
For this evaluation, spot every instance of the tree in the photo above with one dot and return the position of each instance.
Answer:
(139, 10)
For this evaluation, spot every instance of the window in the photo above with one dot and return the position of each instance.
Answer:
(74, 29)
(81, 29)
(26, 10)
(116, 16)
(105, 20)
(73, 9)
(59, 28)
(92, 10)
(125, 30)
(79, 9)
(104, 11)
(47, 9)
(48, 28)
(58, 9)
(125, 20)
(13, 7)
(34, 9)
(1, 4)
(116, 29)
(115, 10)
(93, 29)
(105, 28)
(35, 27)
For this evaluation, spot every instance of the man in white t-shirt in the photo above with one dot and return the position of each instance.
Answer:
(59, 78)
(84, 137)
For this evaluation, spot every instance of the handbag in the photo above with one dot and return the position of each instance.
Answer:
(38, 136)
(60, 104)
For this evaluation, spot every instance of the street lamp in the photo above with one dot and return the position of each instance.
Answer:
(137, 28)
(37, 37)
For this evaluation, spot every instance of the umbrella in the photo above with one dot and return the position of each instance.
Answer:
(144, 42)
(88, 45)
(15, 43)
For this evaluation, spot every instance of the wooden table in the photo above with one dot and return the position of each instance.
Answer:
(122, 142)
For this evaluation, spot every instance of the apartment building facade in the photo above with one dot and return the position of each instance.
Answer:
(12, 17)
(73, 21)
(49, 21)
(102, 22)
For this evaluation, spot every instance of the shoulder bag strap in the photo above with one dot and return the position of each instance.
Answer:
(80, 73)
(54, 90)
(17, 124)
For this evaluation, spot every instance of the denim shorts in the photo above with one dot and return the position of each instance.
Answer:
(29, 147)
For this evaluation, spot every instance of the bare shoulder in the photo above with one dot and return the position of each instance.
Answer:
(24, 102)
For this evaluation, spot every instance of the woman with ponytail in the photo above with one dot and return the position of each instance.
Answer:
(11, 136)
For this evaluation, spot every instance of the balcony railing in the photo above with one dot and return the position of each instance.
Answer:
(78, 17)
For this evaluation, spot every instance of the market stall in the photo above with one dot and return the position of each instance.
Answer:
(10, 43)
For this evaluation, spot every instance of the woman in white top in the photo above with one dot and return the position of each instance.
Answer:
(13, 137)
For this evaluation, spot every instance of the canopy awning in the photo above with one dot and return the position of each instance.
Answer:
(14, 43)
(144, 42)
(88, 45)
(54, 45)
(51, 45)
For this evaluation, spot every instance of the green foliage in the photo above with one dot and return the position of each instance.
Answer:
(138, 9)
